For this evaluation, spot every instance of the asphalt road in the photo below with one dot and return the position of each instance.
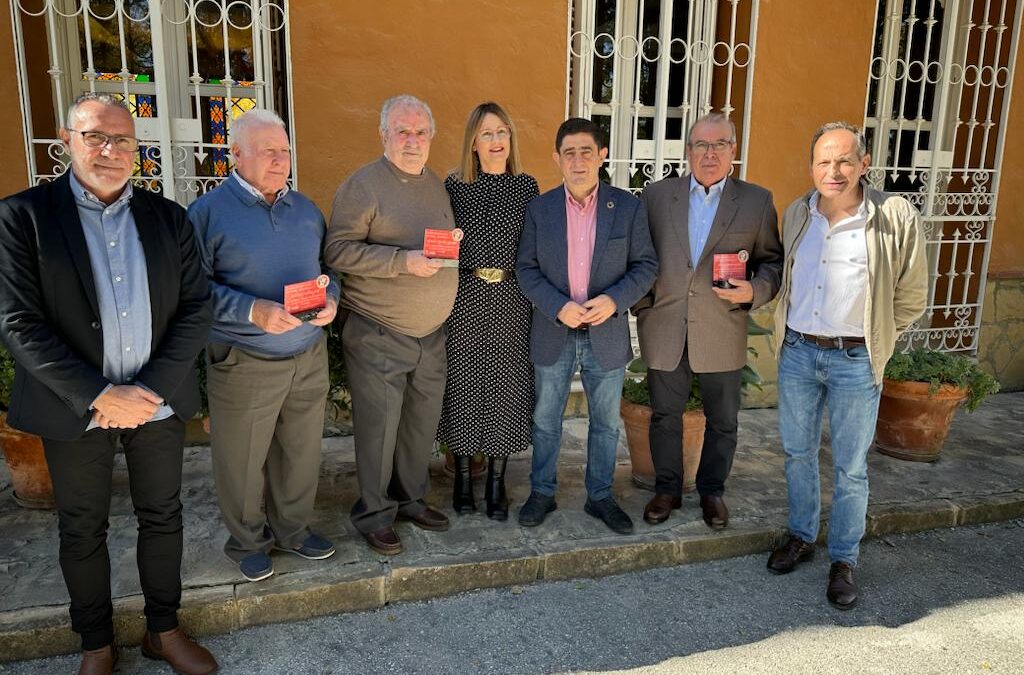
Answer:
(947, 601)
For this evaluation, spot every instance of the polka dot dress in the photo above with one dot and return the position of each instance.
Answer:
(488, 398)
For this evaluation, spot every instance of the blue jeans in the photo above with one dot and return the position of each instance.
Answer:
(811, 377)
(604, 391)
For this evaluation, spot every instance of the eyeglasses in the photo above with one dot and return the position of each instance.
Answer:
(98, 139)
(702, 147)
(499, 135)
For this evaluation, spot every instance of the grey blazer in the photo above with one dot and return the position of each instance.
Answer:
(682, 309)
(623, 267)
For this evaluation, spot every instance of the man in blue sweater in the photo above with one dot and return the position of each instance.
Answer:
(266, 369)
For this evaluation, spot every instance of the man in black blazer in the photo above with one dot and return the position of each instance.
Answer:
(104, 306)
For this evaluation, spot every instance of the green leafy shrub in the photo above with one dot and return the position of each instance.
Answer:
(938, 368)
(6, 378)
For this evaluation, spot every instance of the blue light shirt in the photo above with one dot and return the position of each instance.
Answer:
(703, 207)
(122, 286)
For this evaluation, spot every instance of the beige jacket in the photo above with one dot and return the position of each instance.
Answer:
(897, 273)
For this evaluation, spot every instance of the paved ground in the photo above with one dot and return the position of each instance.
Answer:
(945, 601)
(977, 479)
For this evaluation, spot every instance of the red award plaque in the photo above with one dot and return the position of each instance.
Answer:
(305, 299)
(442, 245)
(729, 266)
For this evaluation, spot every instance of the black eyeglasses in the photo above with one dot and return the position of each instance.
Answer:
(98, 139)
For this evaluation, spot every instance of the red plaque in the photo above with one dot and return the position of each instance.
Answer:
(306, 298)
(728, 266)
(442, 244)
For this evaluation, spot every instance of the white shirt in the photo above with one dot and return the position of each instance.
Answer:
(830, 276)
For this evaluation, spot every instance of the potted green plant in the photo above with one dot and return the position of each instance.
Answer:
(635, 410)
(921, 391)
(30, 476)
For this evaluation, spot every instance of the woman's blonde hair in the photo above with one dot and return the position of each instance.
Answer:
(469, 167)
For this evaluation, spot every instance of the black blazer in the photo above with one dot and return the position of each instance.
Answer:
(49, 315)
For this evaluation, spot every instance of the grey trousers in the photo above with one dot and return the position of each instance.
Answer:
(266, 427)
(397, 386)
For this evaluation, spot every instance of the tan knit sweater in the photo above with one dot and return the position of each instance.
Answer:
(379, 214)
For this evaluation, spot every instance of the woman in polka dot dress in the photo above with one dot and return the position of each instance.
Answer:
(488, 398)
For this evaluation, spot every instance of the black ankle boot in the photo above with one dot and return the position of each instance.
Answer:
(462, 491)
(494, 491)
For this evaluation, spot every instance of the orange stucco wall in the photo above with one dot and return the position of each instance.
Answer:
(14, 177)
(452, 54)
(1007, 257)
(799, 84)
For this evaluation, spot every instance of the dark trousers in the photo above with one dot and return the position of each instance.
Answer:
(82, 472)
(669, 392)
(397, 385)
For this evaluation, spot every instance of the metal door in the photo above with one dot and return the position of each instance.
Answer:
(645, 70)
(185, 68)
(936, 114)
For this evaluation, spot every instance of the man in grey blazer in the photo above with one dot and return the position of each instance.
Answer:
(585, 256)
(689, 326)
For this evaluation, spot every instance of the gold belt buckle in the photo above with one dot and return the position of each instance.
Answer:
(490, 275)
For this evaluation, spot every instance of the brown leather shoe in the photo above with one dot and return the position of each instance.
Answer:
(180, 651)
(842, 592)
(716, 515)
(98, 661)
(384, 541)
(428, 519)
(660, 508)
(785, 558)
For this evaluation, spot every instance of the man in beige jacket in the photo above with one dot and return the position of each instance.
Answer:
(854, 278)
(687, 325)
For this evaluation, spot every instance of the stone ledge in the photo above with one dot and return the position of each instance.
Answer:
(609, 556)
(45, 631)
(425, 581)
(988, 509)
(887, 519)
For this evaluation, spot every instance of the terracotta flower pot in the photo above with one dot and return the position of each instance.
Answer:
(637, 420)
(913, 425)
(26, 462)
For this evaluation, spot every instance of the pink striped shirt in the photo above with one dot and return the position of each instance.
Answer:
(581, 227)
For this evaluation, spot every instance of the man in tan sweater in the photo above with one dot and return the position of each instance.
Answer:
(397, 301)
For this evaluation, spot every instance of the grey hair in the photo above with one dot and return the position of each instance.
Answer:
(858, 133)
(92, 96)
(713, 118)
(257, 117)
(403, 101)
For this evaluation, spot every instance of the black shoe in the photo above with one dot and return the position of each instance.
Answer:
(462, 490)
(609, 512)
(785, 558)
(536, 509)
(842, 592)
(494, 492)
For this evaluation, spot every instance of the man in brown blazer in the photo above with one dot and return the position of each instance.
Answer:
(689, 326)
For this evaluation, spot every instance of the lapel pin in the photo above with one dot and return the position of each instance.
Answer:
(610, 205)
(743, 256)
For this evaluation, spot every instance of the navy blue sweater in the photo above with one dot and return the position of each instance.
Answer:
(250, 250)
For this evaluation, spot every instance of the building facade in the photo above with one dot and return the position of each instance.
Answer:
(930, 80)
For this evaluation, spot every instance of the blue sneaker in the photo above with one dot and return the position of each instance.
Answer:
(256, 566)
(313, 547)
